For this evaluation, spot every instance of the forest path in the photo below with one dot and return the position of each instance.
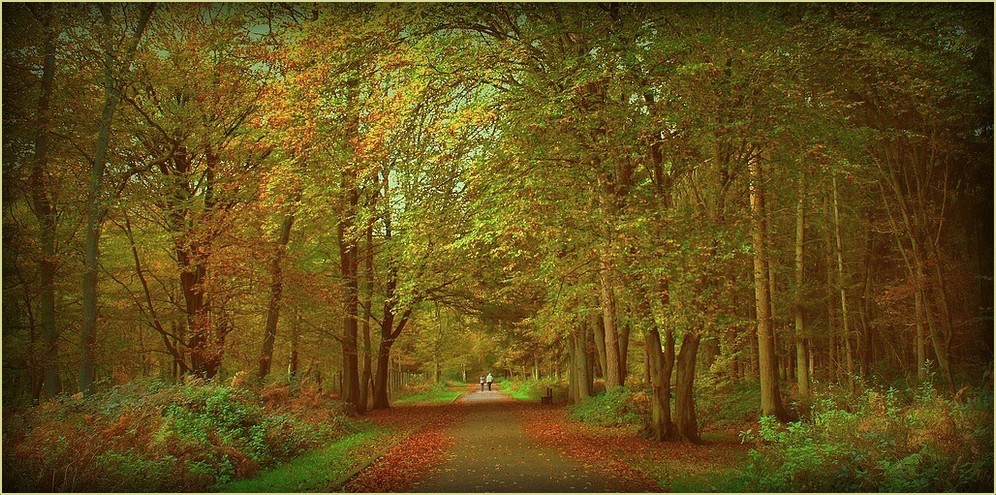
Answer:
(492, 453)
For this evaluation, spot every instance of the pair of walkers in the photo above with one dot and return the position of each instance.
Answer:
(489, 379)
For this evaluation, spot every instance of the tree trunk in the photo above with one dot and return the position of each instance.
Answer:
(941, 301)
(848, 353)
(624, 332)
(921, 339)
(389, 334)
(381, 383)
(582, 378)
(647, 381)
(661, 426)
(771, 401)
(833, 363)
(95, 207)
(295, 337)
(367, 378)
(598, 327)
(801, 355)
(940, 341)
(276, 289)
(686, 424)
(348, 267)
(867, 341)
(170, 341)
(590, 354)
(45, 212)
(192, 255)
(572, 370)
(609, 316)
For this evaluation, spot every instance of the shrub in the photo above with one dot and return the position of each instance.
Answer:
(879, 441)
(118, 471)
(620, 406)
(151, 436)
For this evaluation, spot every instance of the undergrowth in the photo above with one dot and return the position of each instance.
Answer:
(887, 441)
(620, 406)
(315, 471)
(153, 436)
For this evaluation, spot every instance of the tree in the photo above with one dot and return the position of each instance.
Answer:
(114, 65)
(771, 401)
(43, 204)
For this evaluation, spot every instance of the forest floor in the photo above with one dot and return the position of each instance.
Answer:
(489, 442)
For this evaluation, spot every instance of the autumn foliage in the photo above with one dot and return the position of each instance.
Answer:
(149, 436)
(228, 227)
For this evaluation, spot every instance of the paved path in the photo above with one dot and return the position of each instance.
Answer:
(492, 453)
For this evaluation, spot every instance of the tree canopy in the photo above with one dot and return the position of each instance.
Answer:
(611, 194)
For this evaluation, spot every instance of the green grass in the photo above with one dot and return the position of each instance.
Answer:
(436, 395)
(726, 480)
(314, 471)
(522, 395)
(521, 392)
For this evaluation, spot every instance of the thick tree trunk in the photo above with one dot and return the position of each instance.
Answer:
(647, 381)
(624, 332)
(206, 349)
(348, 267)
(598, 327)
(590, 355)
(45, 212)
(609, 316)
(801, 355)
(191, 286)
(276, 289)
(686, 424)
(389, 334)
(381, 399)
(661, 426)
(582, 379)
(771, 401)
(95, 208)
(572, 373)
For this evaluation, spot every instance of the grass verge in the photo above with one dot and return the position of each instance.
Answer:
(314, 471)
(437, 395)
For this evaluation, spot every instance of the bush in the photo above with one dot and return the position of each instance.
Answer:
(620, 406)
(879, 441)
(152, 436)
(130, 470)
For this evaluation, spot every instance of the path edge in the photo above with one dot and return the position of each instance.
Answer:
(363, 463)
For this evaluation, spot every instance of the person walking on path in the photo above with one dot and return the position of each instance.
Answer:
(482, 383)
(490, 379)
